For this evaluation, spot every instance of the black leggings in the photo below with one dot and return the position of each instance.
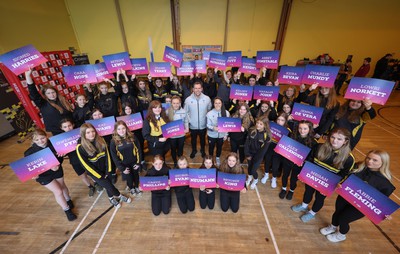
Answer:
(132, 179)
(277, 161)
(177, 148)
(289, 168)
(202, 135)
(229, 199)
(344, 214)
(207, 199)
(212, 142)
(319, 198)
(161, 202)
(107, 184)
(185, 200)
(238, 145)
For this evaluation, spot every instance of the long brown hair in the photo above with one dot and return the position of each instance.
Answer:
(265, 121)
(354, 115)
(260, 113)
(129, 137)
(247, 119)
(326, 149)
(331, 100)
(152, 118)
(146, 93)
(99, 144)
(237, 169)
(65, 105)
(310, 136)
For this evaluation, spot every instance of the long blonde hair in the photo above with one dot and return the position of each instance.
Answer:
(65, 104)
(129, 137)
(247, 119)
(326, 149)
(384, 169)
(99, 143)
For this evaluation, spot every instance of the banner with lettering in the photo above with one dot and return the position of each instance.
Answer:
(65, 142)
(104, 126)
(217, 61)
(79, 74)
(277, 131)
(203, 177)
(291, 75)
(206, 55)
(241, 92)
(233, 58)
(266, 93)
(249, 66)
(368, 200)
(200, 66)
(319, 178)
(21, 59)
(229, 124)
(139, 67)
(322, 75)
(292, 150)
(173, 129)
(186, 69)
(117, 61)
(160, 69)
(231, 182)
(378, 90)
(307, 112)
(133, 121)
(152, 183)
(34, 164)
(173, 56)
(268, 59)
(101, 72)
(179, 177)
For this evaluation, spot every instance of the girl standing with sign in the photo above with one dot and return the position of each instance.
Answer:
(335, 156)
(264, 108)
(52, 179)
(107, 102)
(158, 90)
(174, 87)
(375, 171)
(127, 155)
(94, 156)
(128, 110)
(231, 199)
(184, 194)
(83, 106)
(143, 93)
(289, 95)
(207, 196)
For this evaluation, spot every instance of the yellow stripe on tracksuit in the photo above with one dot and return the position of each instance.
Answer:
(85, 165)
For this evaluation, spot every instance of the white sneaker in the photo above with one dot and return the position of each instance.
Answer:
(273, 182)
(132, 191)
(248, 181)
(138, 192)
(265, 178)
(336, 237)
(328, 230)
(253, 184)
(218, 161)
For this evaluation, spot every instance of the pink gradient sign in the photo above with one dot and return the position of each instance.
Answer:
(322, 75)
(160, 69)
(267, 93)
(229, 124)
(179, 177)
(200, 66)
(307, 112)
(206, 55)
(368, 200)
(319, 178)
(268, 59)
(104, 126)
(378, 90)
(79, 74)
(101, 72)
(152, 183)
(277, 131)
(65, 142)
(139, 67)
(233, 58)
(186, 69)
(203, 177)
(292, 150)
(231, 182)
(241, 92)
(114, 62)
(21, 59)
(34, 164)
(173, 129)
(291, 75)
(133, 121)
(249, 66)
(173, 56)
(217, 61)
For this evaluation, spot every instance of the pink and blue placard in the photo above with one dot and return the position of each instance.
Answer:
(79, 74)
(217, 61)
(153, 183)
(319, 178)
(101, 72)
(133, 121)
(233, 58)
(267, 93)
(114, 62)
(173, 56)
(231, 182)
(103, 126)
(291, 75)
(206, 55)
(34, 164)
(229, 124)
(377, 90)
(21, 59)
(240, 92)
(200, 66)
(292, 150)
(179, 177)
(268, 59)
(368, 200)
(139, 67)
(203, 177)
(249, 66)
(320, 74)
(186, 69)
(65, 142)
(277, 131)
(173, 129)
(160, 69)
(307, 112)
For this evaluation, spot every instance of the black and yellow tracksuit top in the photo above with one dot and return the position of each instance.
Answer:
(97, 165)
(127, 154)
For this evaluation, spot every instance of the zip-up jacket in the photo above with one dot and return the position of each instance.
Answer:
(126, 154)
(212, 121)
(197, 109)
(97, 165)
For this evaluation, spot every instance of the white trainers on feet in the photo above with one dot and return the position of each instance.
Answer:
(133, 192)
(336, 237)
(265, 178)
(328, 230)
(273, 182)
(253, 184)
(248, 181)
(138, 192)
(125, 199)
(217, 161)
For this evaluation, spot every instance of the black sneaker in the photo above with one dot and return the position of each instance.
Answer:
(289, 195)
(92, 190)
(175, 165)
(70, 204)
(70, 215)
(193, 154)
(114, 178)
(282, 194)
(98, 187)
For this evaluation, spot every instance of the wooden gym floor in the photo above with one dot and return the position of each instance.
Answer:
(32, 222)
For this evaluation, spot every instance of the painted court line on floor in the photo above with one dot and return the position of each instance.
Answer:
(105, 230)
